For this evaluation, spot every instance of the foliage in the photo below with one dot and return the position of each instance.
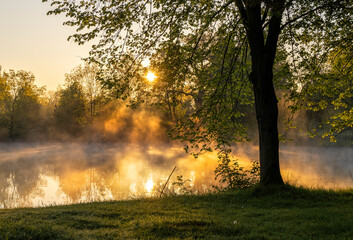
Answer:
(20, 104)
(95, 97)
(70, 111)
(183, 186)
(323, 73)
(232, 176)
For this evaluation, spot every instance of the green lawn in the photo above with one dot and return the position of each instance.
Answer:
(287, 213)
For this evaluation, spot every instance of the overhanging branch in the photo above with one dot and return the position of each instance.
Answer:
(208, 23)
(310, 12)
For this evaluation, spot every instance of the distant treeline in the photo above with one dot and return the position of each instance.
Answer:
(79, 110)
(83, 110)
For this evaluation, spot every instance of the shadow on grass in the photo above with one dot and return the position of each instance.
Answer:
(187, 228)
(25, 231)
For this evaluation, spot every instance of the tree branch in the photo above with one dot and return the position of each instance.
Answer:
(265, 14)
(274, 30)
(242, 11)
(208, 23)
(310, 12)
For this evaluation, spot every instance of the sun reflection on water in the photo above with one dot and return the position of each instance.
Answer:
(149, 185)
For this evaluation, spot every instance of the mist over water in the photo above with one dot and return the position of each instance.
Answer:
(311, 166)
(49, 174)
(64, 173)
(321, 167)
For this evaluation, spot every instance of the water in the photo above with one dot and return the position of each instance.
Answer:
(51, 174)
(33, 175)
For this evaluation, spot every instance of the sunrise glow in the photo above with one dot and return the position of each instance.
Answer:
(150, 76)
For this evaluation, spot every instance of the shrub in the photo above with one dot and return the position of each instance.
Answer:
(182, 185)
(231, 175)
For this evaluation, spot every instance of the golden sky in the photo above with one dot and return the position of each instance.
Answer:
(32, 41)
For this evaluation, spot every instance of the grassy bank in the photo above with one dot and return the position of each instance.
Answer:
(289, 213)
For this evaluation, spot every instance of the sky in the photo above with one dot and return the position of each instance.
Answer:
(32, 41)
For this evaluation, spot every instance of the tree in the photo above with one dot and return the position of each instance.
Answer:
(70, 110)
(20, 104)
(95, 96)
(4, 91)
(138, 27)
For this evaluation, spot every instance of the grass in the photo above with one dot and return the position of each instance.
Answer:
(256, 213)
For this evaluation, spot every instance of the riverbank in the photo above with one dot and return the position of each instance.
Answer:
(288, 213)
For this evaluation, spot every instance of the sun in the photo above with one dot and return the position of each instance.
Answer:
(150, 76)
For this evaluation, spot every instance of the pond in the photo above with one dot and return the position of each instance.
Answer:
(33, 175)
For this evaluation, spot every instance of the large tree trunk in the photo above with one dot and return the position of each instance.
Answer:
(267, 115)
(263, 47)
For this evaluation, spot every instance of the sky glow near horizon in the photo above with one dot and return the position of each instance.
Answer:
(32, 41)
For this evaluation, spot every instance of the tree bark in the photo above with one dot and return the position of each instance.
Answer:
(267, 116)
(263, 51)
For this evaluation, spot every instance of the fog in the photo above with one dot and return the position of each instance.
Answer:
(64, 173)
(318, 167)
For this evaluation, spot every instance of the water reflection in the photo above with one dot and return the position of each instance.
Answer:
(51, 174)
(38, 175)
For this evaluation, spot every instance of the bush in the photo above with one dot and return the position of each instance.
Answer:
(231, 175)
(183, 186)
